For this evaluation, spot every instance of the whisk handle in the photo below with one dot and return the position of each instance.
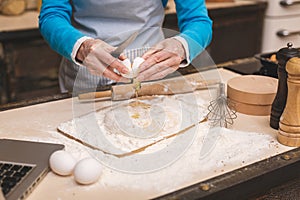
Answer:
(221, 89)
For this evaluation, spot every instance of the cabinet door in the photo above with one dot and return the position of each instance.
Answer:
(273, 41)
(32, 69)
(278, 8)
(237, 30)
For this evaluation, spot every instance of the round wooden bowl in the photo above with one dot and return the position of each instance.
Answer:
(251, 109)
(252, 94)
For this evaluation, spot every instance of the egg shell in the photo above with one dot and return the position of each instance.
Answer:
(136, 65)
(127, 63)
(87, 171)
(134, 68)
(62, 163)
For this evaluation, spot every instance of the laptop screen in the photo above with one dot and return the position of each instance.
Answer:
(23, 165)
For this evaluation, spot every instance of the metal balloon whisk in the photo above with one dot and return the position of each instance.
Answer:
(221, 110)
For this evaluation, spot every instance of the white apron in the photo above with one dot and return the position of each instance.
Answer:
(112, 21)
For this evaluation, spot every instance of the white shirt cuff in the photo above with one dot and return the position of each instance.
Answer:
(187, 52)
(76, 47)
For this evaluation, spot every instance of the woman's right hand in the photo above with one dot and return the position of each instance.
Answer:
(95, 55)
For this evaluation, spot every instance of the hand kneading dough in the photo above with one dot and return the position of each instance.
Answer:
(62, 163)
(87, 171)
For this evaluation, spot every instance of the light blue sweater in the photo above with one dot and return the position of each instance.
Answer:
(56, 27)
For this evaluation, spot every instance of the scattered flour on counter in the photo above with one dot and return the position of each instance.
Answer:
(79, 151)
(117, 130)
(232, 150)
(212, 151)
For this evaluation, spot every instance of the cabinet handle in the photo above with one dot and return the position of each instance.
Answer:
(286, 3)
(286, 33)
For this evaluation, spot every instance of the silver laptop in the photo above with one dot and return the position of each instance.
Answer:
(22, 166)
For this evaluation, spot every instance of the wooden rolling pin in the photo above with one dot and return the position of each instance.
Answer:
(165, 87)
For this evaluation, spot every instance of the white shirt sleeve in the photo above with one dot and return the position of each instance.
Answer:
(76, 47)
(186, 48)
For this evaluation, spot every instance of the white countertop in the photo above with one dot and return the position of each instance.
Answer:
(212, 5)
(40, 122)
(27, 20)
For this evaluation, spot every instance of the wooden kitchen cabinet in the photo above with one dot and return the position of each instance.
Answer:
(29, 68)
(237, 28)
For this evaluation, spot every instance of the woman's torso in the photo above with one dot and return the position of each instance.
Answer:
(112, 21)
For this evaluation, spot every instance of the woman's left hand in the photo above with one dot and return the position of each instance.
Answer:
(161, 60)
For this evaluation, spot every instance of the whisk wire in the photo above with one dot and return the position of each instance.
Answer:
(221, 110)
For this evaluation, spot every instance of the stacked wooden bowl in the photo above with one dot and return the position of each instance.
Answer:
(252, 94)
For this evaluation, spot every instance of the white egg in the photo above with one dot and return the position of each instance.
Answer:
(136, 64)
(62, 163)
(87, 171)
(126, 62)
(133, 69)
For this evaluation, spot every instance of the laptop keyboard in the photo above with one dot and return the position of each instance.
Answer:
(11, 174)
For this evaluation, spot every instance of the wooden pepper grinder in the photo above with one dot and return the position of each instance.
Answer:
(282, 56)
(289, 125)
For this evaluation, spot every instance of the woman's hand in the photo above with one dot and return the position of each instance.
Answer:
(95, 55)
(161, 60)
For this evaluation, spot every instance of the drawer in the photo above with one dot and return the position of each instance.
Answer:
(272, 41)
(283, 8)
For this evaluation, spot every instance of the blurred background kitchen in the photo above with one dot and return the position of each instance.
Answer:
(241, 30)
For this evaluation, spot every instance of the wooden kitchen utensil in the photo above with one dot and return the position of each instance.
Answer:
(252, 94)
(283, 55)
(289, 125)
(165, 87)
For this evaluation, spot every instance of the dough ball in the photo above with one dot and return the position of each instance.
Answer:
(62, 163)
(87, 171)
